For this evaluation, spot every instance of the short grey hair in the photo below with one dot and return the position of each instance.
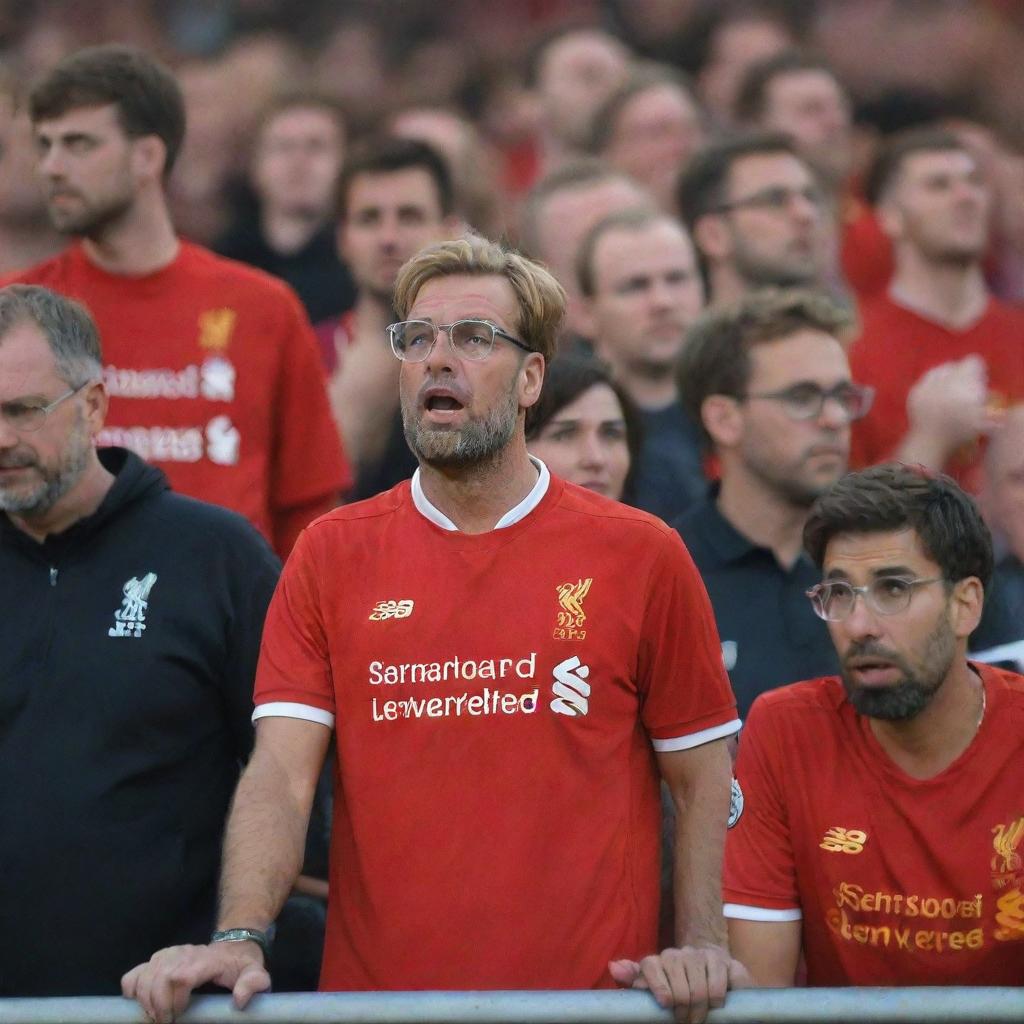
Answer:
(69, 329)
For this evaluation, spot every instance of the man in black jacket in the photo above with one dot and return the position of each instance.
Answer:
(130, 622)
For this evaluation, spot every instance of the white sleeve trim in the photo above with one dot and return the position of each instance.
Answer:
(745, 913)
(697, 739)
(1004, 652)
(285, 709)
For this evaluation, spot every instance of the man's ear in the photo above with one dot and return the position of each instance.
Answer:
(96, 402)
(722, 419)
(712, 238)
(531, 379)
(890, 219)
(149, 157)
(967, 601)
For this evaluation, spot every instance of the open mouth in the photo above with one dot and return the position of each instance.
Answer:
(873, 671)
(443, 403)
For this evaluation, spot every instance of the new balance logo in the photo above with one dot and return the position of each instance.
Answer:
(391, 610)
(844, 840)
(130, 618)
(571, 689)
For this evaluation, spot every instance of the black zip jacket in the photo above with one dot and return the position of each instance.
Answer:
(128, 648)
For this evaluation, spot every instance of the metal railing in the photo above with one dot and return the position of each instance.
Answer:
(771, 1006)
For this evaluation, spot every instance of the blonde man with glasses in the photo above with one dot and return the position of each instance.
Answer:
(506, 661)
(879, 815)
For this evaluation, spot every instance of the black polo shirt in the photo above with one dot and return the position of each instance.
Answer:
(770, 635)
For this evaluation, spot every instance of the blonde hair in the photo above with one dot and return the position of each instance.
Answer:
(540, 297)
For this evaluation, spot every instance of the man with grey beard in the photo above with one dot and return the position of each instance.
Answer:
(878, 817)
(768, 381)
(130, 622)
(471, 637)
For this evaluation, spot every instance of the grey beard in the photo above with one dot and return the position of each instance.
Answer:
(55, 484)
(479, 441)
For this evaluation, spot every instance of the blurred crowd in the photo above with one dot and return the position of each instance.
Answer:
(790, 234)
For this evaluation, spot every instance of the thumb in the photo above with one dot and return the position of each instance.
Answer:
(253, 979)
(739, 976)
(626, 973)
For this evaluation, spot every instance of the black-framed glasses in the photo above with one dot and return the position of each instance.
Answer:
(833, 600)
(806, 401)
(777, 197)
(413, 340)
(26, 418)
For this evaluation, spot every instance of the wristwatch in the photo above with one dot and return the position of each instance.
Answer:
(262, 939)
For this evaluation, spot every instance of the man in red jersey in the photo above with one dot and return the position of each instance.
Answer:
(943, 355)
(212, 368)
(878, 816)
(506, 659)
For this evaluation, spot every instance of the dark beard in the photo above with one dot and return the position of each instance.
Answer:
(906, 699)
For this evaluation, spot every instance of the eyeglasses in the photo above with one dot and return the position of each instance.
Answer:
(775, 198)
(26, 418)
(806, 401)
(413, 340)
(888, 595)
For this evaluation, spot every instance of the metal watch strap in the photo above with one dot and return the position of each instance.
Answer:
(262, 939)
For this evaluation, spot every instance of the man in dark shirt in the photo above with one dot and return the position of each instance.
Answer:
(130, 623)
(769, 383)
(999, 637)
(642, 289)
(298, 152)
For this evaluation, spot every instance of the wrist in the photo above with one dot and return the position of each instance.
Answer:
(261, 939)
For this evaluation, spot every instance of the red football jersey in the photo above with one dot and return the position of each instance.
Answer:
(898, 346)
(497, 700)
(898, 881)
(214, 376)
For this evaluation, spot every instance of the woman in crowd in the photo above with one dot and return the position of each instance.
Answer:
(584, 427)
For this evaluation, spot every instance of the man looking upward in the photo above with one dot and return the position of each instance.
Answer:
(513, 652)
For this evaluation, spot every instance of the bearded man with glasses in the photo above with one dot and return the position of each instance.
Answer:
(508, 661)
(130, 623)
(768, 381)
(881, 814)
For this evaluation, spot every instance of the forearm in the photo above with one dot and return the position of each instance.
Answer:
(702, 808)
(263, 847)
(924, 449)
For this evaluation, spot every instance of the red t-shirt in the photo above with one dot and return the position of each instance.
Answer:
(865, 251)
(214, 375)
(898, 881)
(898, 346)
(495, 698)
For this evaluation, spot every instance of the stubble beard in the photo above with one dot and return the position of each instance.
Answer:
(478, 442)
(91, 220)
(55, 482)
(908, 697)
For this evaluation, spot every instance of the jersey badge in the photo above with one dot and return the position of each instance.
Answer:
(730, 651)
(130, 618)
(215, 329)
(384, 610)
(222, 441)
(571, 689)
(571, 615)
(217, 379)
(844, 840)
(735, 802)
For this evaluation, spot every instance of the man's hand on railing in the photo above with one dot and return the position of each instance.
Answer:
(165, 982)
(690, 980)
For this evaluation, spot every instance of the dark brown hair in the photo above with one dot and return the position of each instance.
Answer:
(703, 184)
(889, 161)
(146, 94)
(896, 497)
(716, 358)
(752, 99)
(388, 155)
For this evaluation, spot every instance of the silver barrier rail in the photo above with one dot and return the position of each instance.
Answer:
(770, 1006)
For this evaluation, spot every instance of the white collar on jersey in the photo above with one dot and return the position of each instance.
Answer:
(513, 515)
